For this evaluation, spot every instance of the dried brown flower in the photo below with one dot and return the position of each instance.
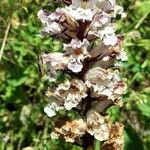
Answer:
(70, 131)
(116, 139)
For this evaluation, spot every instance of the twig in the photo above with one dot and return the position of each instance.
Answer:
(4, 41)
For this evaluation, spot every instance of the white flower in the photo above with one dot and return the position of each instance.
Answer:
(53, 62)
(102, 135)
(88, 4)
(50, 21)
(56, 15)
(54, 135)
(72, 93)
(72, 101)
(43, 16)
(53, 28)
(108, 30)
(97, 125)
(100, 25)
(68, 102)
(100, 19)
(108, 35)
(52, 108)
(98, 76)
(77, 50)
(56, 60)
(105, 5)
(122, 55)
(79, 13)
(76, 44)
(110, 39)
(105, 82)
(119, 11)
(75, 65)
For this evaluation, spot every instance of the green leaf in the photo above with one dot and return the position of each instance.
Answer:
(132, 139)
(17, 82)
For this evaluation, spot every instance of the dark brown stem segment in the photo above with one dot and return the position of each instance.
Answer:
(88, 142)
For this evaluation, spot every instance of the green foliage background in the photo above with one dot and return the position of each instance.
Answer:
(22, 88)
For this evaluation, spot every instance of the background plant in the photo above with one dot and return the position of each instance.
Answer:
(22, 119)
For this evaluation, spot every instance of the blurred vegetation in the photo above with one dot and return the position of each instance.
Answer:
(22, 120)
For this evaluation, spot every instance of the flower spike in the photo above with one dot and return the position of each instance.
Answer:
(89, 57)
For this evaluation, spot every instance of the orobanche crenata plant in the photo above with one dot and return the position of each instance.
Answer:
(90, 58)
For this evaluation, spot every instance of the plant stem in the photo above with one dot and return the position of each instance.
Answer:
(88, 142)
(4, 41)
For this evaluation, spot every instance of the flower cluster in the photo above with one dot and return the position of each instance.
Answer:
(90, 55)
(74, 54)
(95, 124)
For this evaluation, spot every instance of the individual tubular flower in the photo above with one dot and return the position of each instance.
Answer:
(119, 11)
(75, 64)
(82, 4)
(77, 51)
(98, 78)
(105, 82)
(75, 45)
(80, 13)
(122, 55)
(116, 139)
(52, 108)
(98, 126)
(50, 25)
(109, 37)
(72, 93)
(106, 5)
(117, 51)
(70, 131)
(106, 34)
(43, 16)
(56, 60)
(52, 62)
(100, 20)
